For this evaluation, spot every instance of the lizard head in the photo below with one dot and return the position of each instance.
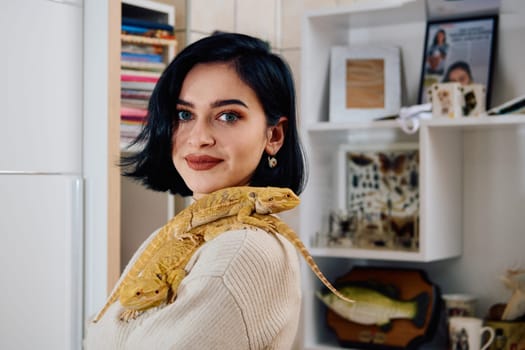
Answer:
(144, 293)
(274, 200)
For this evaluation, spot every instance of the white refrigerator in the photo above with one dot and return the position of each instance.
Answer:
(41, 183)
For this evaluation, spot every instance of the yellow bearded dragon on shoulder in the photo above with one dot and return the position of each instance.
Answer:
(161, 278)
(240, 202)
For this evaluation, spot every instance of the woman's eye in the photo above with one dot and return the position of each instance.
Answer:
(228, 117)
(184, 115)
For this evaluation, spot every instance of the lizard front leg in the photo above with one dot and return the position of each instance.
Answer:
(248, 215)
(175, 277)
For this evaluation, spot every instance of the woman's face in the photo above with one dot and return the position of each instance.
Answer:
(440, 38)
(222, 131)
(459, 75)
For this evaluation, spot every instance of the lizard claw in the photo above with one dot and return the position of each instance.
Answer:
(128, 315)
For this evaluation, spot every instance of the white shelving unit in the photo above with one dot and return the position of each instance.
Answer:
(143, 210)
(460, 175)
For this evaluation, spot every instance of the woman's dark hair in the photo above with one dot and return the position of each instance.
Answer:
(458, 65)
(435, 41)
(266, 73)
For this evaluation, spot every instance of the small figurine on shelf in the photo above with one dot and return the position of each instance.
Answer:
(515, 281)
(341, 229)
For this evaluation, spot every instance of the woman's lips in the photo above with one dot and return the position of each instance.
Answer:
(201, 162)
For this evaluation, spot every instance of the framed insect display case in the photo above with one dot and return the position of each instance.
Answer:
(378, 187)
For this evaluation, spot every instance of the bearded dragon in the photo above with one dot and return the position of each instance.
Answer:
(161, 278)
(240, 202)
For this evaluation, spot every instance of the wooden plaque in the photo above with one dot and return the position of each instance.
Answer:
(402, 333)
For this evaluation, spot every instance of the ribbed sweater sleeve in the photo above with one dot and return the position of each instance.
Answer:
(242, 291)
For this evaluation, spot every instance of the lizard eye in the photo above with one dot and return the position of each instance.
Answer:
(137, 294)
(157, 291)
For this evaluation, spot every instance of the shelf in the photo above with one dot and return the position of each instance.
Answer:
(384, 12)
(501, 121)
(372, 254)
(470, 169)
(142, 210)
(366, 125)
(483, 122)
(136, 39)
(363, 6)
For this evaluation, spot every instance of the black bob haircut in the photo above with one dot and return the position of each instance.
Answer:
(271, 80)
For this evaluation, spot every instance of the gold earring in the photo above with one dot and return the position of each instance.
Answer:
(272, 162)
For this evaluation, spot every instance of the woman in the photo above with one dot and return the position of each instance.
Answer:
(221, 115)
(459, 72)
(437, 53)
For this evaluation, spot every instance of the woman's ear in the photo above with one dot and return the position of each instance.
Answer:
(275, 136)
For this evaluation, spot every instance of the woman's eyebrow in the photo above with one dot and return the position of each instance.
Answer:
(185, 103)
(219, 103)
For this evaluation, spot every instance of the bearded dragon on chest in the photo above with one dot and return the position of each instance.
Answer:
(239, 202)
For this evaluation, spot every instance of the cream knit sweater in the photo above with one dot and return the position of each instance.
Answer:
(242, 291)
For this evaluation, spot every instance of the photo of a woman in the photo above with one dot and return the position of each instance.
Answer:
(458, 50)
(437, 53)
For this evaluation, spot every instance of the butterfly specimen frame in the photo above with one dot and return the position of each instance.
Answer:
(378, 188)
(365, 82)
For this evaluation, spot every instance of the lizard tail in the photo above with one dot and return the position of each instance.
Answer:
(287, 232)
(105, 308)
(313, 266)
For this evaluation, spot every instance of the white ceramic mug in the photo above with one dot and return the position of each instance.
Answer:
(467, 332)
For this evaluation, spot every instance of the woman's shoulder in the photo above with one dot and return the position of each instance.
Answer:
(238, 249)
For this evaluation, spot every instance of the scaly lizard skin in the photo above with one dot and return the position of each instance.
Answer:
(240, 202)
(161, 278)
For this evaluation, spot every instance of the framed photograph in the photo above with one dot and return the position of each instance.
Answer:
(459, 50)
(379, 190)
(365, 83)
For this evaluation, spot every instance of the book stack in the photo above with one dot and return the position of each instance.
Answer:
(142, 62)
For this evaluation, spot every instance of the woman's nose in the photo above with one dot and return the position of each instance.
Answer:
(201, 134)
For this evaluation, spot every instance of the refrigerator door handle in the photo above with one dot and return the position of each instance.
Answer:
(76, 263)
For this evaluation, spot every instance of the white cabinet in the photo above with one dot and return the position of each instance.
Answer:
(41, 79)
(468, 236)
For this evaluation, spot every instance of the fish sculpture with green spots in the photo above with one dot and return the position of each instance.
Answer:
(373, 306)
